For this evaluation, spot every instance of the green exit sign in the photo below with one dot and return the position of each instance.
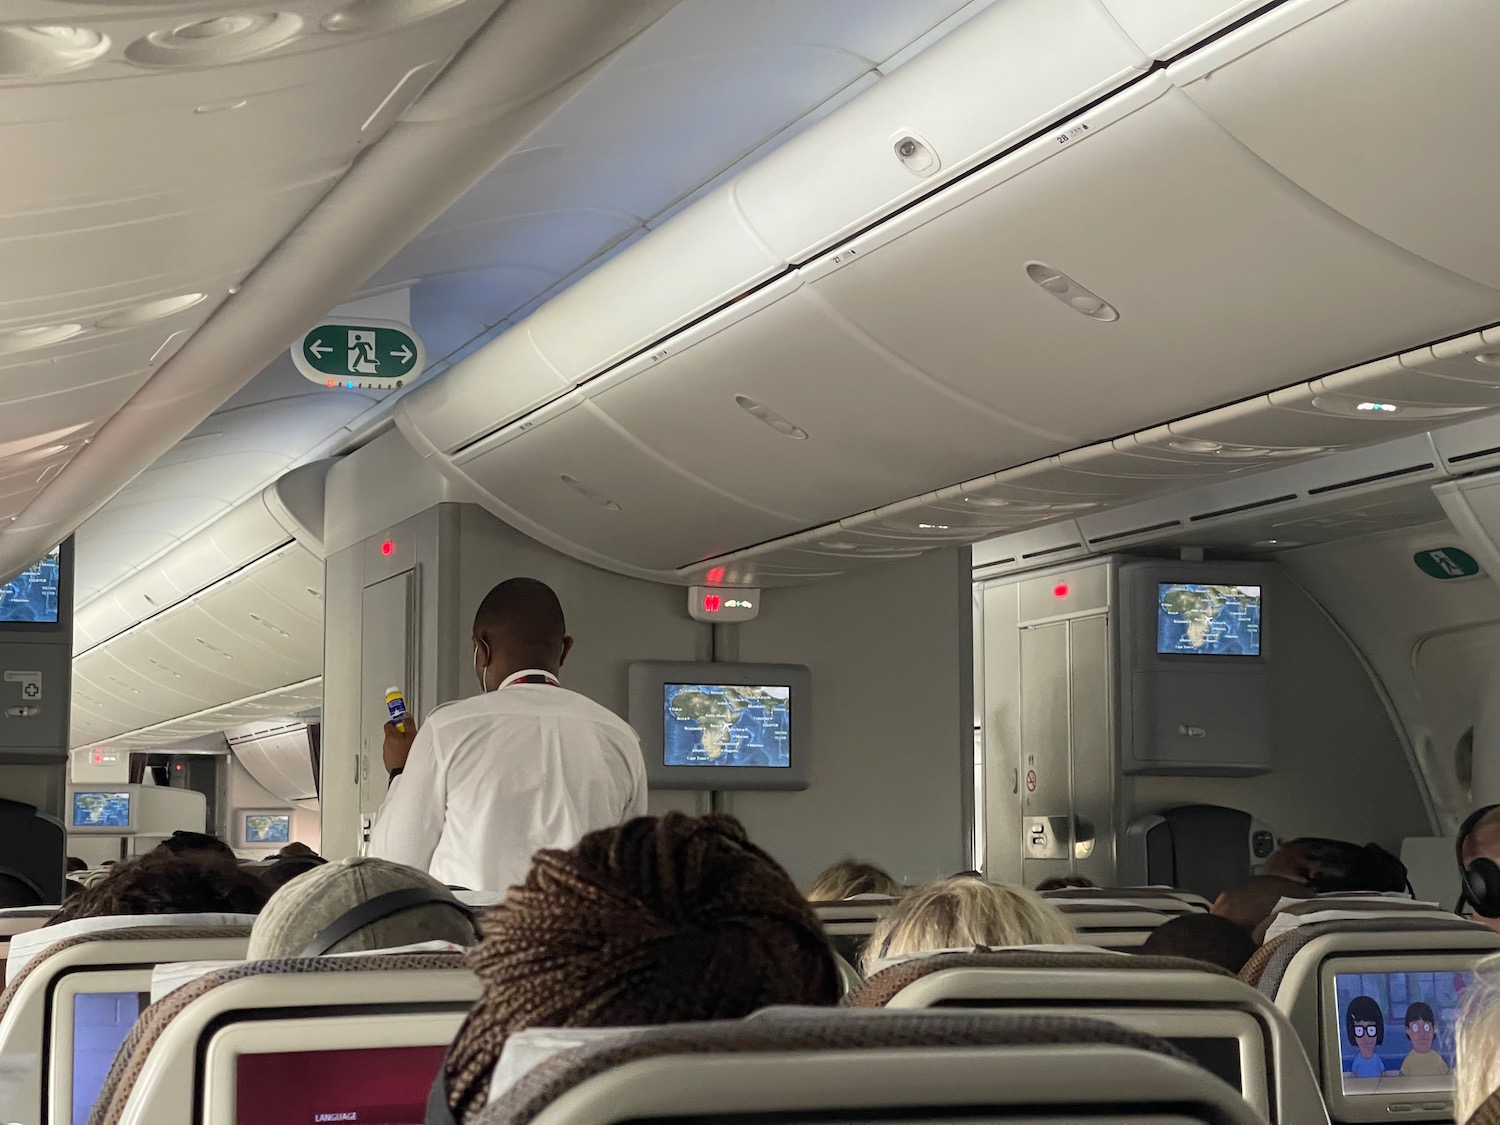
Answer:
(1446, 562)
(369, 354)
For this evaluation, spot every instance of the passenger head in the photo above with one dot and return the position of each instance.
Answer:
(1065, 882)
(657, 921)
(1477, 1074)
(305, 908)
(965, 913)
(297, 850)
(283, 871)
(1481, 841)
(1337, 866)
(848, 878)
(519, 625)
(163, 883)
(76, 864)
(1201, 937)
(17, 890)
(1252, 902)
(185, 843)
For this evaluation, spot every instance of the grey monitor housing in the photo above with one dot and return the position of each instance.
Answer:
(655, 684)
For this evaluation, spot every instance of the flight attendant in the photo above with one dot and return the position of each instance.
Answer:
(528, 764)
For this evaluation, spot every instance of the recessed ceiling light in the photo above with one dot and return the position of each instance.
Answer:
(987, 501)
(1377, 407)
(933, 527)
(1195, 445)
(762, 413)
(589, 493)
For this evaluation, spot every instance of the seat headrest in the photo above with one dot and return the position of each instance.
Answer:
(1268, 966)
(884, 986)
(823, 1031)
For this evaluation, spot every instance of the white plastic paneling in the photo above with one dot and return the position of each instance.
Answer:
(873, 430)
(1210, 310)
(254, 632)
(1380, 108)
(1011, 70)
(492, 388)
(1163, 28)
(628, 504)
(1469, 446)
(279, 760)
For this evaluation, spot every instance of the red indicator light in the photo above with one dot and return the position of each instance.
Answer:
(388, 548)
(711, 603)
(98, 757)
(179, 767)
(1060, 590)
(714, 576)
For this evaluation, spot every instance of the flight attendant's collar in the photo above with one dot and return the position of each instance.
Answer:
(530, 676)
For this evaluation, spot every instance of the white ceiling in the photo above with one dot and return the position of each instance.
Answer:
(702, 90)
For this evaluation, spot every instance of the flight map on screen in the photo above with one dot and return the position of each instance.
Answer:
(31, 596)
(268, 828)
(101, 810)
(1397, 1030)
(1208, 620)
(726, 725)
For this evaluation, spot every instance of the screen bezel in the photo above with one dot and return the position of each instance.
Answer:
(128, 829)
(242, 828)
(1377, 1107)
(64, 622)
(648, 681)
(58, 1085)
(352, 1030)
(1203, 658)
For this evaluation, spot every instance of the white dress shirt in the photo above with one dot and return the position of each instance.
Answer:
(492, 779)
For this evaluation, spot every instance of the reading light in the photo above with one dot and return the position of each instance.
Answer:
(1377, 407)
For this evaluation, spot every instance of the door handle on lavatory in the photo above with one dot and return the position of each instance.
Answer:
(1015, 780)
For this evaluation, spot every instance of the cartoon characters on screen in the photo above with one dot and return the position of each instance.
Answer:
(1364, 1027)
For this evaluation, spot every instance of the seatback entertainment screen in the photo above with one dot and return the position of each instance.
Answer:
(268, 828)
(101, 809)
(101, 1020)
(1194, 619)
(1396, 1031)
(367, 1086)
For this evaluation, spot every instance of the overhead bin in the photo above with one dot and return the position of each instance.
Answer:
(582, 484)
(255, 631)
(787, 405)
(1382, 109)
(1163, 28)
(1012, 70)
(1227, 279)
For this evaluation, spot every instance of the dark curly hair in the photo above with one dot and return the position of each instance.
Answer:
(657, 921)
(160, 882)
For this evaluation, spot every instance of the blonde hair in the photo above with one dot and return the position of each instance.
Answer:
(1478, 1041)
(848, 878)
(957, 913)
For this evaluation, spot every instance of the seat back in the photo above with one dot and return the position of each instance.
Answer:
(270, 1035)
(41, 1009)
(853, 1066)
(1224, 1024)
(1111, 925)
(1163, 900)
(850, 923)
(1313, 975)
(1206, 849)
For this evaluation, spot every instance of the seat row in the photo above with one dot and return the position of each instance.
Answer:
(364, 1034)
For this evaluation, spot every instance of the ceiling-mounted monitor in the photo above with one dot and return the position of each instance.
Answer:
(39, 598)
(263, 828)
(1207, 619)
(102, 811)
(722, 726)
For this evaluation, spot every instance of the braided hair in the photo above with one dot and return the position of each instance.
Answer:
(655, 921)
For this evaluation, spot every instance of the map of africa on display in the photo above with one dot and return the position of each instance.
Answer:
(268, 829)
(101, 810)
(726, 725)
(1208, 620)
(32, 594)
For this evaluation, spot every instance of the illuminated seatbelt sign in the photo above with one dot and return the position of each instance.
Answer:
(367, 355)
(1446, 562)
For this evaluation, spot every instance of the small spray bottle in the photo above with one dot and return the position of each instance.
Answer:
(395, 703)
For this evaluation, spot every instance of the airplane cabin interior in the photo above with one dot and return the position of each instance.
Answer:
(1055, 442)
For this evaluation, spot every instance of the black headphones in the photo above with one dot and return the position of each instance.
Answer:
(1481, 879)
(381, 907)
